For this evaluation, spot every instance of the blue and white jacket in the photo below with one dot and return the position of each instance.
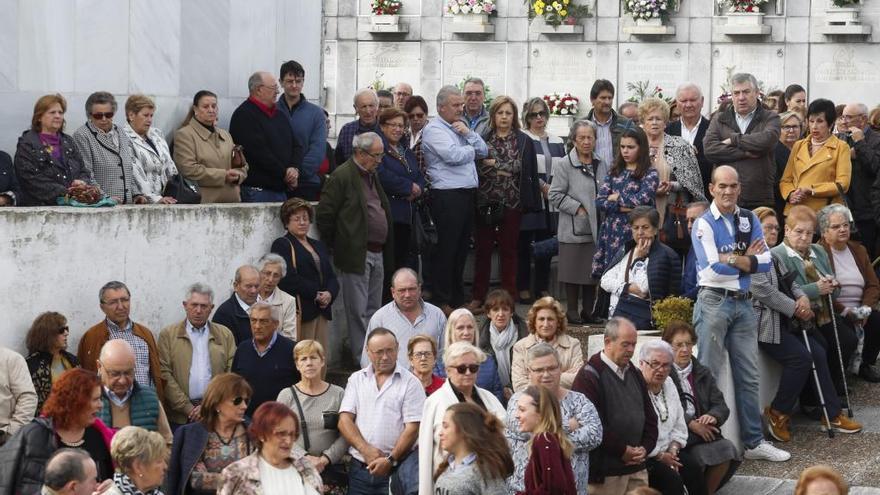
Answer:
(713, 233)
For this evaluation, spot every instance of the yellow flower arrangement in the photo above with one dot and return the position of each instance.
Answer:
(556, 12)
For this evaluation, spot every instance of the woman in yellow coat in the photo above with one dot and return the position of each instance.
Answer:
(818, 171)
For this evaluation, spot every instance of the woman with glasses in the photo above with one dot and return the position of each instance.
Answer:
(107, 150)
(403, 183)
(203, 449)
(538, 225)
(462, 326)
(416, 109)
(704, 409)
(791, 131)
(46, 343)
(422, 352)
(463, 362)
(316, 403)
(819, 169)
(277, 466)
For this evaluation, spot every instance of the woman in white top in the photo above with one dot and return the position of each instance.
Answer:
(462, 364)
(153, 166)
(278, 466)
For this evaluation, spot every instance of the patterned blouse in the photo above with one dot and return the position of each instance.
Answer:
(586, 438)
(219, 454)
(500, 183)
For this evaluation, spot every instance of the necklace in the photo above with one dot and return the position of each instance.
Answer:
(226, 448)
(662, 411)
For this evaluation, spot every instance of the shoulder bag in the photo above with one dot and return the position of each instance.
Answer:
(299, 310)
(635, 309)
(185, 191)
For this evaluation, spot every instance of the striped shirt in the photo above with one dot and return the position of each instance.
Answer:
(141, 351)
(714, 233)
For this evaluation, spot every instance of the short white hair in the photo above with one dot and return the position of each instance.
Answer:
(365, 92)
(274, 311)
(656, 345)
(272, 259)
(686, 86)
(364, 141)
(199, 288)
(455, 351)
(445, 92)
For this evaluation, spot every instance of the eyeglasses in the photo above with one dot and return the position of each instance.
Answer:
(422, 355)
(771, 228)
(116, 302)
(534, 115)
(102, 115)
(839, 226)
(462, 368)
(63, 330)
(377, 156)
(548, 370)
(657, 366)
(852, 117)
(238, 400)
(791, 128)
(117, 374)
(394, 126)
(802, 233)
(683, 345)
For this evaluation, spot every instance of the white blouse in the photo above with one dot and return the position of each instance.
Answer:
(674, 429)
(285, 481)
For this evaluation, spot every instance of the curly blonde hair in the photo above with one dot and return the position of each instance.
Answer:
(551, 304)
(134, 444)
(652, 104)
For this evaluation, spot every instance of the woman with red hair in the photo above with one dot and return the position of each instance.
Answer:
(68, 420)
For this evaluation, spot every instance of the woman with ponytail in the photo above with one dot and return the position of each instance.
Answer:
(479, 458)
(549, 468)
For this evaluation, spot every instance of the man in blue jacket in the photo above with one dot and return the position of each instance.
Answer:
(309, 128)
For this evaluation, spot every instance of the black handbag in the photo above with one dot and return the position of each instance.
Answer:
(674, 232)
(634, 309)
(424, 235)
(185, 191)
(490, 214)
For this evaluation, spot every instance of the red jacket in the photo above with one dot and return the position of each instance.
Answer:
(549, 470)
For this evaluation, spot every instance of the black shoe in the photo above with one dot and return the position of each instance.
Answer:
(869, 373)
(573, 319)
(589, 319)
(812, 411)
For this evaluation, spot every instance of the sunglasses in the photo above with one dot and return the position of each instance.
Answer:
(462, 368)
(238, 400)
(532, 115)
(63, 330)
(104, 115)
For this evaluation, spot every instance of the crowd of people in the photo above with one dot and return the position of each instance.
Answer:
(762, 214)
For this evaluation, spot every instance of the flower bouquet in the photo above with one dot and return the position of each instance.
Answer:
(564, 104)
(458, 7)
(557, 12)
(742, 6)
(647, 10)
(640, 90)
(385, 7)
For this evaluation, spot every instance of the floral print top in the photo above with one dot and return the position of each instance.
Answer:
(499, 183)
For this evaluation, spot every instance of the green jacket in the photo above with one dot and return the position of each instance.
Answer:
(793, 263)
(342, 219)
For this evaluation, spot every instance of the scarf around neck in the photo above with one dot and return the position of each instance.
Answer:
(501, 343)
(684, 375)
(127, 487)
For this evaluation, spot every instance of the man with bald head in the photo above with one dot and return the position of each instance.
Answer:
(864, 146)
(406, 315)
(402, 93)
(124, 401)
(72, 472)
(233, 313)
(729, 246)
(692, 126)
(273, 153)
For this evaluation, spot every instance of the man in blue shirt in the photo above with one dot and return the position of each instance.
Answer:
(689, 285)
(450, 149)
(729, 246)
(309, 128)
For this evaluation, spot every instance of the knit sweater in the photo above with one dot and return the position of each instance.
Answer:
(268, 143)
(267, 375)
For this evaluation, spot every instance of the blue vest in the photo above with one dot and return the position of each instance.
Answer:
(143, 408)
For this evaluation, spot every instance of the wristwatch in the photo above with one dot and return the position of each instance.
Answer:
(731, 260)
(392, 460)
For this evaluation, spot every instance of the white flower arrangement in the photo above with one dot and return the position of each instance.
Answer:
(456, 7)
(562, 104)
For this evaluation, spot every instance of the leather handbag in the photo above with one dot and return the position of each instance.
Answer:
(674, 232)
(424, 230)
(185, 191)
(634, 309)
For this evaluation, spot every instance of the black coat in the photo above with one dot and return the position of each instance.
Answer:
(8, 182)
(710, 400)
(674, 129)
(664, 268)
(269, 145)
(41, 178)
(865, 171)
(23, 458)
(308, 278)
(231, 315)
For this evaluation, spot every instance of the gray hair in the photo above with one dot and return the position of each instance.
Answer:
(862, 108)
(365, 91)
(114, 285)
(255, 81)
(578, 124)
(272, 259)
(612, 327)
(404, 271)
(742, 77)
(474, 80)
(459, 349)
(99, 98)
(789, 114)
(243, 268)
(64, 466)
(199, 288)
(656, 345)
(542, 349)
(274, 311)
(364, 142)
(686, 86)
(825, 213)
(444, 94)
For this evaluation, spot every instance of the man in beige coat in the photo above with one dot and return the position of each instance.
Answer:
(18, 399)
(191, 353)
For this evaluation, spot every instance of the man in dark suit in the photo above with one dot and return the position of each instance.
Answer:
(233, 313)
(692, 126)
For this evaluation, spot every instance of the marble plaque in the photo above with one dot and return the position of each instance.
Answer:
(765, 61)
(563, 68)
(845, 73)
(390, 63)
(329, 76)
(657, 65)
(486, 60)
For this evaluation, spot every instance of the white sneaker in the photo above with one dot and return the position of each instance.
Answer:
(765, 451)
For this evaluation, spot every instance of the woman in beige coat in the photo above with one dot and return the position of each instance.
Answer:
(206, 154)
(547, 323)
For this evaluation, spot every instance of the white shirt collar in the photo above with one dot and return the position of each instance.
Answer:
(621, 372)
(245, 306)
(716, 213)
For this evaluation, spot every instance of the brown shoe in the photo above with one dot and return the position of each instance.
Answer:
(843, 424)
(777, 423)
(475, 307)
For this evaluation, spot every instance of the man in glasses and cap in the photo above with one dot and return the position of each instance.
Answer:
(192, 352)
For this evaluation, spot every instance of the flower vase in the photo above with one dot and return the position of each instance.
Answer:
(652, 22)
(841, 16)
(385, 20)
(743, 19)
(481, 19)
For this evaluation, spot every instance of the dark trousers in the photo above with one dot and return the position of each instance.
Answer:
(797, 372)
(848, 343)
(669, 482)
(453, 211)
(524, 263)
(871, 348)
(507, 237)
(868, 236)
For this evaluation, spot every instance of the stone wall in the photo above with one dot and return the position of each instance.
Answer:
(518, 61)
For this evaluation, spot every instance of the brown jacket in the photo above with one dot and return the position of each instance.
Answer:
(871, 293)
(95, 338)
(175, 356)
(822, 173)
(750, 153)
(205, 157)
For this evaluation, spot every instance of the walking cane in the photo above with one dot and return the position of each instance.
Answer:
(818, 384)
(849, 407)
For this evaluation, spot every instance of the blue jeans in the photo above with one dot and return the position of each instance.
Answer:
(724, 323)
(404, 480)
(261, 195)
